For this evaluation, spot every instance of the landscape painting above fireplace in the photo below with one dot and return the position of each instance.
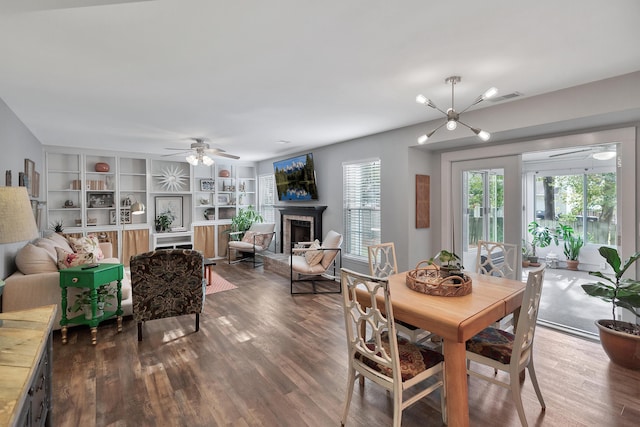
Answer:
(296, 178)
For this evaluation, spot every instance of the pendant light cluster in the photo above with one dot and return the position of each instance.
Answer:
(453, 117)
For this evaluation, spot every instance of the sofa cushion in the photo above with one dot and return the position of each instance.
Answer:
(87, 245)
(32, 259)
(72, 259)
(331, 240)
(60, 241)
(49, 246)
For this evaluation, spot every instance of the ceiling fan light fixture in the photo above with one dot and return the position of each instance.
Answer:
(208, 161)
(452, 116)
(192, 159)
(604, 155)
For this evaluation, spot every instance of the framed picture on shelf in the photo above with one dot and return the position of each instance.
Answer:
(223, 199)
(125, 216)
(171, 205)
(112, 216)
(29, 169)
(207, 185)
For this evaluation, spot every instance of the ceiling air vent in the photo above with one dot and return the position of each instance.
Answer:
(505, 97)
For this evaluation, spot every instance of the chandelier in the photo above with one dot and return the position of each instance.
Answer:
(453, 117)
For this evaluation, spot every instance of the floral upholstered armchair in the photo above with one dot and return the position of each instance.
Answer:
(167, 283)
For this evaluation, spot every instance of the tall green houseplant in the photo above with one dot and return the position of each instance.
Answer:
(243, 221)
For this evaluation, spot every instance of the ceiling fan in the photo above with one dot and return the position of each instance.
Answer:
(200, 152)
(596, 152)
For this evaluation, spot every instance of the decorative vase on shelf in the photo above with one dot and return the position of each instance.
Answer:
(102, 167)
(224, 173)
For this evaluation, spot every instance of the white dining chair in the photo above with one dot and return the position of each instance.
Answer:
(382, 264)
(511, 353)
(378, 354)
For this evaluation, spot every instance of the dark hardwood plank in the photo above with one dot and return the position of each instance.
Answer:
(265, 358)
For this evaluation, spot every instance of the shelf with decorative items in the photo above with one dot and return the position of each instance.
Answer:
(204, 190)
(64, 189)
(132, 179)
(100, 190)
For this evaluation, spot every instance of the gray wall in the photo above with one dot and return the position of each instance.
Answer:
(16, 144)
(603, 104)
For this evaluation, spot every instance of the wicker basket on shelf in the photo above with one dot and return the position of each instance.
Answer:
(428, 279)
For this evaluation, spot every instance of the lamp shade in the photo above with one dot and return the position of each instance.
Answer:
(137, 208)
(17, 223)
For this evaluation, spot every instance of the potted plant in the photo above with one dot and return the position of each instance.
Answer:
(526, 253)
(243, 221)
(83, 302)
(164, 221)
(449, 263)
(57, 226)
(542, 237)
(572, 246)
(619, 339)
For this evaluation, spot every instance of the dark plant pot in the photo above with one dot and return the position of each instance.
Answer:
(572, 265)
(449, 271)
(622, 348)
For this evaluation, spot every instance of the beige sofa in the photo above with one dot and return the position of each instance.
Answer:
(41, 283)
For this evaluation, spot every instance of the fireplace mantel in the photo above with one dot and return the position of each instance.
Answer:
(314, 212)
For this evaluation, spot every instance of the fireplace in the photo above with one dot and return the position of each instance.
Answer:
(300, 224)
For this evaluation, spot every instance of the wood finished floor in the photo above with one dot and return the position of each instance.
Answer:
(264, 358)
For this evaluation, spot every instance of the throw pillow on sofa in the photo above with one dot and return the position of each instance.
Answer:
(34, 260)
(252, 236)
(87, 245)
(72, 259)
(60, 241)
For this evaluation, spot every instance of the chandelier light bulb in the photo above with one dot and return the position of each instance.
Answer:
(422, 139)
(484, 135)
(421, 99)
(452, 125)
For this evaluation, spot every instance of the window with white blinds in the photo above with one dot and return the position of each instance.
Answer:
(361, 192)
(267, 197)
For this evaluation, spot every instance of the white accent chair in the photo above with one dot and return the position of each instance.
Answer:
(378, 354)
(382, 264)
(315, 263)
(255, 241)
(510, 353)
(497, 259)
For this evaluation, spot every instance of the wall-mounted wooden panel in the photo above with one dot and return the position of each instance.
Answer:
(422, 201)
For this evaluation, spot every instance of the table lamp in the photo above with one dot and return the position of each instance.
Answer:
(17, 222)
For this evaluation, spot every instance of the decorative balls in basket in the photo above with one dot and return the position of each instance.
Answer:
(432, 279)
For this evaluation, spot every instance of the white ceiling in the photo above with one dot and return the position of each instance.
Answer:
(144, 75)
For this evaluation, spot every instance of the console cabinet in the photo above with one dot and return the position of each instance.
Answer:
(26, 367)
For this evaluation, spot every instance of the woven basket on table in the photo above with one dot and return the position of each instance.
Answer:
(427, 278)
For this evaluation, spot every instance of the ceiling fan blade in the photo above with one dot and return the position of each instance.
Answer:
(214, 150)
(177, 149)
(228, 156)
(176, 154)
(570, 152)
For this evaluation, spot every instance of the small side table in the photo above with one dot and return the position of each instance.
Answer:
(208, 269)
(76, 277)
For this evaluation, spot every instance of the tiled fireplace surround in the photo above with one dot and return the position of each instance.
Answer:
(292, 214)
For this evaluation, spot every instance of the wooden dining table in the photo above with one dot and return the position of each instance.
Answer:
(456, 319)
